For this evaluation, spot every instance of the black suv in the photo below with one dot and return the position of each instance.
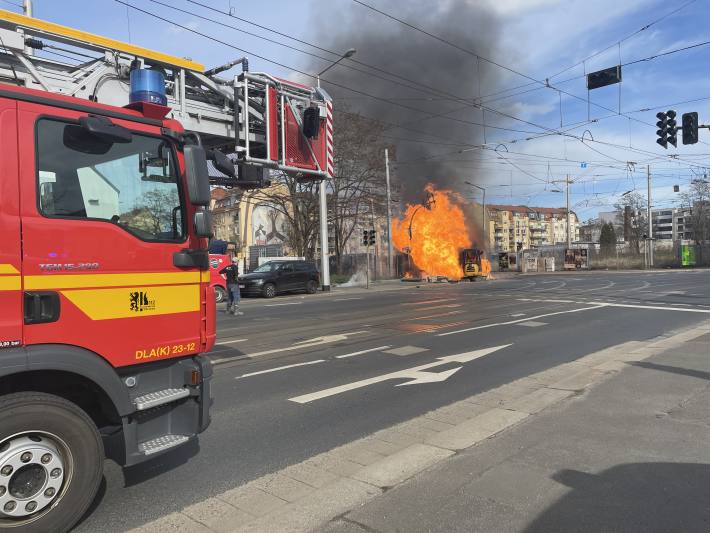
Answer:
(280, 276)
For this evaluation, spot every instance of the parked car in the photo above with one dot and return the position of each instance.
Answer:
(217, 263)
(276, 277)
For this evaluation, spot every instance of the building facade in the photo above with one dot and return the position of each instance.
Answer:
(515, 227)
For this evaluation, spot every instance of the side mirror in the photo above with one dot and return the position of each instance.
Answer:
(198, 179)
(203, 224)
(222, 163)
(104, 129)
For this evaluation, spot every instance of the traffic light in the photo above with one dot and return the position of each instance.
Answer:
(690, 128)
(365, 237)
(371, 240)
(667, 128)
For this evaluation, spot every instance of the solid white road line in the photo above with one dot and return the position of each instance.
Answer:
(260, 372)
(361, 352)
(597, 306)
(345, 299)
(660, 307)
(287, 303)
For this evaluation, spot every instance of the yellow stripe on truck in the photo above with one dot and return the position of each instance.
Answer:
(64, 32)
(84, 281)
(135, 302)
(10, 283)
(6, 268)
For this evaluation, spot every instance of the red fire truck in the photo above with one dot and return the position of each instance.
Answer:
(106, 307)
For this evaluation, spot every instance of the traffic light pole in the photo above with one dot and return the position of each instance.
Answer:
(650, 219)
(367, 269)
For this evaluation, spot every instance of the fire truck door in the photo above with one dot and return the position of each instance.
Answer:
(10, 242)
(101, 221)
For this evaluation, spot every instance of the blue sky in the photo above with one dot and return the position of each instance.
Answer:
(539, 38)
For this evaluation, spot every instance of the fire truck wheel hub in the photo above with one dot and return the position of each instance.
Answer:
(32, 472)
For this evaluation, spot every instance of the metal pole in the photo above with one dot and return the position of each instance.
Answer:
(569, 234)
(324, 263)
(389, 214)
(27, 11)
(650, 219)
(367, 268)
(486, 240)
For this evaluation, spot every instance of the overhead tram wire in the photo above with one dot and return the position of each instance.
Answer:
(310, 75)
(357, 91)
(454, 97)
(545, 84)
(643, 28)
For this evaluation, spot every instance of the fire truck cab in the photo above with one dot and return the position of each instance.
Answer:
(106, 300)
(103, 268)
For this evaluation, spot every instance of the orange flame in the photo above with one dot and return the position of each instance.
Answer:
(438, 234)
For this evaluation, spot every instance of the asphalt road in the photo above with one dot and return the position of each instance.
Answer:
(298, 375)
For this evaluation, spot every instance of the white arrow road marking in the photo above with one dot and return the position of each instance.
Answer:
(418, 374)
(309, 343)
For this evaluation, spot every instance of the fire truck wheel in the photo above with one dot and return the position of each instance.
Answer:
(269, 290)
(219, 294)
(51, 462)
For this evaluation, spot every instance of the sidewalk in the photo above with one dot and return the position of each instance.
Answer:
(630, 454)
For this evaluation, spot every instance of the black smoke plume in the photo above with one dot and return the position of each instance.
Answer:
(405, 52)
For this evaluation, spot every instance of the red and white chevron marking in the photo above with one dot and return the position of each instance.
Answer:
(329, 137)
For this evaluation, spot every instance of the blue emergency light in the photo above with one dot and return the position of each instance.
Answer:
(147, 85)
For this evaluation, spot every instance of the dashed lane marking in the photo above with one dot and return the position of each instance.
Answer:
(260, 372)
(353, 354)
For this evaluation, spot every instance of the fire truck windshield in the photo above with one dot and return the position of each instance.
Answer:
(134, 184)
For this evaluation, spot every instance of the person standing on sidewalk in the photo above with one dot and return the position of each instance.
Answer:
(232, 274)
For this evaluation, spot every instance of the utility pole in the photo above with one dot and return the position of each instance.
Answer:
(650, 219)
(27, 11)
(389, 214)
(569, 229)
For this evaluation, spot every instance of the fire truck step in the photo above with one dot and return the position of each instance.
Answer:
(160, 444)
(161, 397)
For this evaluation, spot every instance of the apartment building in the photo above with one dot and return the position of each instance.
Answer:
(518, 227)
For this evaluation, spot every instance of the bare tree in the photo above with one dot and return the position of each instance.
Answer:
(697, 199)
(638, 224)
(357, 192)
(297, 201)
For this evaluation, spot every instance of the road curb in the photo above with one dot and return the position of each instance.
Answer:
(306, 496)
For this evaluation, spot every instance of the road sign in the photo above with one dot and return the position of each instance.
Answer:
(583, 165)
(602, 78)
(417, 375)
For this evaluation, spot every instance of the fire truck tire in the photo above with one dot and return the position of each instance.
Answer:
(269, 290)
(51, 463)
(220, 294)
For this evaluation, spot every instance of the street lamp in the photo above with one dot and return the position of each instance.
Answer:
(348, 53)
(485, 230)
(323, 200)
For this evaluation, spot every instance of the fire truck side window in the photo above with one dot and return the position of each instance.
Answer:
(133, 185)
